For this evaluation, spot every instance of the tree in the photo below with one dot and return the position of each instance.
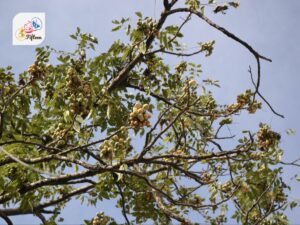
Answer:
(67, 130)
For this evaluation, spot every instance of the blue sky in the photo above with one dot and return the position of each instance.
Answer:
(270, 26)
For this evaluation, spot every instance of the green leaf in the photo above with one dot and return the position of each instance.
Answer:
(73, 36)
(139, 14)
(142, 48)
(76, 126)
(290, 131)
(79, 119)
(293, 204)
(67, 116)
(117, 28)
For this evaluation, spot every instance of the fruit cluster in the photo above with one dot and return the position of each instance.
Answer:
(180, 152)
(37, 71)
(73, 81)
(226, 187)
(233, 107)
(244, 101)
(101, 219)
(266, 138)
(139, 117)
(117, 146)
(207, 47)
(206, 177)
(96, 221)
(193, 5)
(79, 93)
(253, 106)
(181, 67)
(60, 132)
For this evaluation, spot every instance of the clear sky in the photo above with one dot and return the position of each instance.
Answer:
(271, 26)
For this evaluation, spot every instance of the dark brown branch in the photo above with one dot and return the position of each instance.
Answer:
(256, 85)
(237, 39)
(222, 29)
(180, 54)
(123, 74)
(41, 217)
(259, 198)
(40, 208)
(122, 200)
(168, 212)
(6, 219)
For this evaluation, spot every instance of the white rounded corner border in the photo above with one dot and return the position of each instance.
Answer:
(28, 28)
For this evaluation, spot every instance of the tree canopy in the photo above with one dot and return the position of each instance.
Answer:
(126, 125)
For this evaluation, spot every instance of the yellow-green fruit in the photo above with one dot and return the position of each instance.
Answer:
(135, 113)
(96, 221)
(146, 106)
(32, 68)
(137, 106)
(192, 83)
(244, 187)
(71, 71)
(141, 117)
(115, 138)
(140, 110)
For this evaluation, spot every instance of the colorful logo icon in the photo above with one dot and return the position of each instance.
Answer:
(28, 28)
